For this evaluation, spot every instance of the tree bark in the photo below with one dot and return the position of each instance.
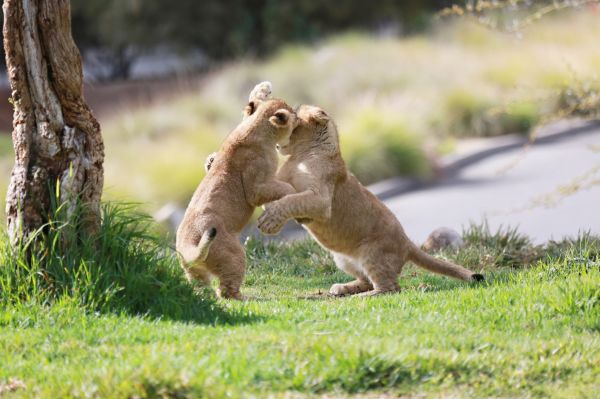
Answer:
(57, 141)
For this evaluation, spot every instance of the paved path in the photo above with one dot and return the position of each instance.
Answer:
(515, 188)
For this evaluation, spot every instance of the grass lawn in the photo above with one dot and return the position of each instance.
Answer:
(532, 332)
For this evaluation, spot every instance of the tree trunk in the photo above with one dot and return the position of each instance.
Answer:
(57, 141)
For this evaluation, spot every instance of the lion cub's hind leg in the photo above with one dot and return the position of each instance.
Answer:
(350, 266)
(199, 277)
(383, 272)
(230, 270)
(197, 274)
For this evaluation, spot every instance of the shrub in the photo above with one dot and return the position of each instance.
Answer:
(507, 247)
(376, 147)
(579, 99)
(470, 115)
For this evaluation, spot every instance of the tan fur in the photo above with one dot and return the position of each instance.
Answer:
(364, 236)
(241, 177)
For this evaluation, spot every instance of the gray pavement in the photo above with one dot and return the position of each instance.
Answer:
(550, 190)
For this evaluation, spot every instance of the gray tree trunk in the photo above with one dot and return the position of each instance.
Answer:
(57, 140)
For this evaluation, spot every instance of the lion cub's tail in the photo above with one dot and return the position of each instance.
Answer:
(441, 266)
(199, 253)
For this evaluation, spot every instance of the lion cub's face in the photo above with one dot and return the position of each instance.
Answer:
(312, 125)
(273, 118)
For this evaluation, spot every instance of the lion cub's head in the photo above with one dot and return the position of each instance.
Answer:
(272, 117)
(273, 120)
(315, 131)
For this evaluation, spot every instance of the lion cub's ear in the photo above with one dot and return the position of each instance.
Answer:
(280, 118)
(320, 117)
(249, 109)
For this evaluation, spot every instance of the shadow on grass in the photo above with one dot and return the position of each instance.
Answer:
(174, 299)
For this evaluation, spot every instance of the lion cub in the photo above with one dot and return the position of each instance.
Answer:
(241, 177)
(364, 236)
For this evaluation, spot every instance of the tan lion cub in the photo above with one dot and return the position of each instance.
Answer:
(364, 236)
(241, 177)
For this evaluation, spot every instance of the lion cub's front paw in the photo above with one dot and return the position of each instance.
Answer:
(261, 91)
(270, 222)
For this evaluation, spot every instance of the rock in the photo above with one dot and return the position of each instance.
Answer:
(441, 238)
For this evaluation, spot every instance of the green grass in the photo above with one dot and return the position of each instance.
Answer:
(124, 267)
(528, 332)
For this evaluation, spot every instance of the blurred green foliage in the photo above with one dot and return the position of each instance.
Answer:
(224, 29)
(513, 15)
(391, 97)
(6, 145)
(579, 98)
(376, 147)
(469, 114)
(397, 102)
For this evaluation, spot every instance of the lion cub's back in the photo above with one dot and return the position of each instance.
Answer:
(221, 193)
